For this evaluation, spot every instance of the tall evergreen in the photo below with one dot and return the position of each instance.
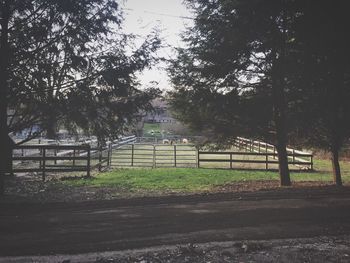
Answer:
(67, 61)
(324, 77)
(232, 78)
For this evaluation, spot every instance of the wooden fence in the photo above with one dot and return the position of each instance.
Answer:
(159, 139)
(182, 155)
(126, 152)
(299, 158)
(235, 159)
(155, 155)
(50, 158)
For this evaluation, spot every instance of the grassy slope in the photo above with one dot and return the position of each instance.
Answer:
(148, 127)
(187, 179)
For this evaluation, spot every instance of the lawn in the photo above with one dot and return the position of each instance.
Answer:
(197, 180)
(151, 129)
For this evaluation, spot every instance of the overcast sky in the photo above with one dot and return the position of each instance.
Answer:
(143, 15)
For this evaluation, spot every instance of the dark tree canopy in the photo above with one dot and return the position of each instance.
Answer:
(63, 50)
(67, 62)
(235, 70)
(324, 78)
(273, 70)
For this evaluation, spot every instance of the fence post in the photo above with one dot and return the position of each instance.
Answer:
(259, 146)
(74, 154)
(41, 154)
(198, 159)
(88, 161)
(132, 154)
(293, 156)
(267, 161)
(312, 162)
(154, 156)
(175, 155)
(265, 147)
(109, 155)
(274, 152)
(55, 154)
(44, 163)
(230, 160)
(100, 158)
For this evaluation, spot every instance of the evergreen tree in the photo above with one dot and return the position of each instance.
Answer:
(65, 61)
(233, 77)
(323, 60)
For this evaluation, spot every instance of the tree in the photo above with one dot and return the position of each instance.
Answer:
(324, 70)
(232, 78)
(65, 61)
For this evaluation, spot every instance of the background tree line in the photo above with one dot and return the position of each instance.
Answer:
(272, 70)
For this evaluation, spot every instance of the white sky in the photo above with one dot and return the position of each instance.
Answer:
(141, 16)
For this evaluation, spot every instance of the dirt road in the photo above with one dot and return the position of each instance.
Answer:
(70, 228)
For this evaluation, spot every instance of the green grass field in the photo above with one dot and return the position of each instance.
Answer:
(151, 129)
(196, 180)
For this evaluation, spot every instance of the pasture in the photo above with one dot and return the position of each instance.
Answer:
(146, 169)
(189, 180)
(187, 156)
(151, 129)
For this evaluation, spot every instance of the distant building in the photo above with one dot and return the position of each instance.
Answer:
(161, 114)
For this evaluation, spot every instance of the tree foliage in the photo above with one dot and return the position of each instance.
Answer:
(274, 70)
(324, 78)
(234, 71)
(71, 64)
(68, 62)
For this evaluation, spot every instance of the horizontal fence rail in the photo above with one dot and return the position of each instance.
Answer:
(257, 155)
(266, 159)
(155, 155)
(299, 158)
(131, 151)
(52, 158)
(160, 139)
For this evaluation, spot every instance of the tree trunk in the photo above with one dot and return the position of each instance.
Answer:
(4, 60)
(51, 122)
(336, 167)
(281, 144)
(336, 92)
(283, 163)
(279, 100)
(51, 129)
(3, 142)
(281, 130)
